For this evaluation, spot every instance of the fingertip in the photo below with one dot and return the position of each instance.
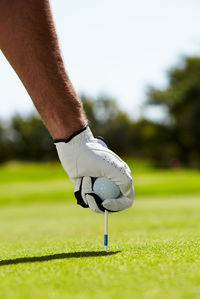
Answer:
(117, 204)
(93, 205)
(111, 204)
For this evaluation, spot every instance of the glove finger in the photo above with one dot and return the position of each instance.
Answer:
(117, 204)
(86, 185)
(119, 172)
(95, 203)
(93, 200)
(85, 196)
(127, 191)
(123, 202)
(87, 188)
(78, 193)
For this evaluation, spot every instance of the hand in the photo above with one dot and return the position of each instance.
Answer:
(83, 158)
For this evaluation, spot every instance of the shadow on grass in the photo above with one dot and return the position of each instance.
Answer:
(56, 256)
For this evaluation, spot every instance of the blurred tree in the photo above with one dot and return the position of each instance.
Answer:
(30, 139)
(167, 144)
(3, 147)
(153, 140)
(182, 99)
(99, 111)
(107, 120)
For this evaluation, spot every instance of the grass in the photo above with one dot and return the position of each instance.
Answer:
(23, 183)
(53, 249)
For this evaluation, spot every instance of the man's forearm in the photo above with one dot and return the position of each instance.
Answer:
(29, 42)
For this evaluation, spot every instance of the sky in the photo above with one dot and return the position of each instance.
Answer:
(114, 47)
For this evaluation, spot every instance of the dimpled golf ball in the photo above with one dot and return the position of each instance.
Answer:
(105, 188)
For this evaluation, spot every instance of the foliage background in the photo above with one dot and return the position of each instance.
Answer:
(173, 142)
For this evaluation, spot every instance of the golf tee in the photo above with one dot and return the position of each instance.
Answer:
(106, 232)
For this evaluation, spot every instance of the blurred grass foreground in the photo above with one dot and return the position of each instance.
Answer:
(51, 248)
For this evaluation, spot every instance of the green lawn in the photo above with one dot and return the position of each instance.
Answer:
(51, 248)
(23, 183)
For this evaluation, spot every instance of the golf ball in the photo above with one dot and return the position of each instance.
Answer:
(105, 188)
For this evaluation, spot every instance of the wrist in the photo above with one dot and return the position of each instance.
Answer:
(76, 133)
(65, 129)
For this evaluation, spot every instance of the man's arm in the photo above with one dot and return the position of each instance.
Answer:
(29, 42)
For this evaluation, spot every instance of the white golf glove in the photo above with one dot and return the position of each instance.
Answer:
(84, 159)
